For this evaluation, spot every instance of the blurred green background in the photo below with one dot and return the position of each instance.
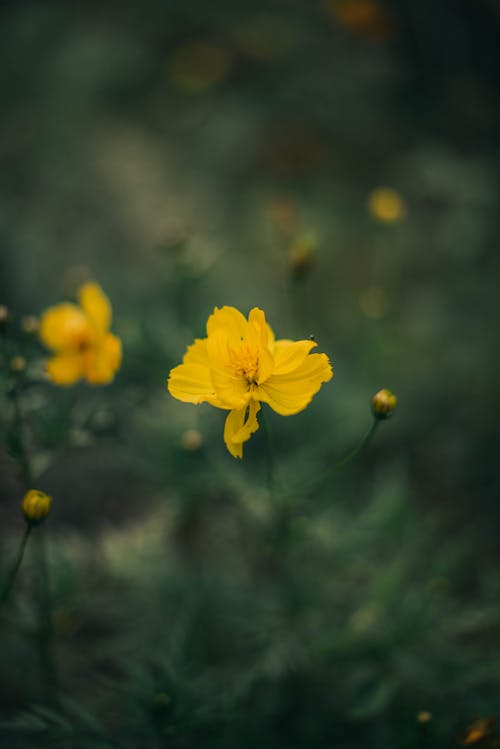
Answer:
(336, 164)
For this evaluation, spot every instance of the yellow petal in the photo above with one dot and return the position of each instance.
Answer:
(231, 390)
(96, 306)
(65, 327)
(102, 361)
(288, 355)
(191, 381)
(66, 369)
(240, 425)
(229, 319)
(290, 393)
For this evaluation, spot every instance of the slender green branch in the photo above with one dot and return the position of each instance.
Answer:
(270, 467)
(15, 568)
(45, 634)
(22, 453)
(359, 448)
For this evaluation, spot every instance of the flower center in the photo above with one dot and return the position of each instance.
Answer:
(246, 363)
(82, 342)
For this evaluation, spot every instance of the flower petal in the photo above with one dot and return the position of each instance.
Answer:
(290, 393)
(288, 355)
(191, 381)
(96, 306)
(102, 361)
(65, 327)
(231, 320)
(240, 425)
(230, 389)
(66, 369)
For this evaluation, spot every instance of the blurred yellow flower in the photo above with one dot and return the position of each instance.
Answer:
(36, 506)
(301, 254)
(198, 65)
(80, 339)
(240, 365)
(18, 364)
(366, 18)
(386, 205)
(478, 731)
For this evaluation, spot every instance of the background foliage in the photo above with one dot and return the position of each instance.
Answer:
(182, 155)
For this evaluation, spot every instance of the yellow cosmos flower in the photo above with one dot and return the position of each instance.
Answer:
(80, 339)
(240, 365)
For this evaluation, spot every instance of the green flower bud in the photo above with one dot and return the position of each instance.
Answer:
(36, 506)
(383, 404)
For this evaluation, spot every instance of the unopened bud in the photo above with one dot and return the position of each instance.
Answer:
(29, 324)
(302, 255)
(18, 364)
(36, 506)
(383, 404)
(386, 205)
(192, 440)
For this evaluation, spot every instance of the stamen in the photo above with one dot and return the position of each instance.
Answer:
(246, 363)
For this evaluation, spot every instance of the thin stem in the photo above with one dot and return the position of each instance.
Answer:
(45, 634)
(359, 448)
(270, 467)
(15, 569)
(23, 457)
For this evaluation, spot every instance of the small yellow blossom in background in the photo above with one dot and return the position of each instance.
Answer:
(29, 324)
(198, 65)
(192, 440)
(80, 339)
(424, 717)
(479, 730)
(365, 18)
(301, 254)
(240, 365)
(383, 403)
(18, 364)
(386, 205)
(36, 506)
(4, 314)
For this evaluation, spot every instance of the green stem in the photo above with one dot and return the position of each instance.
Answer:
(15, 569)
(270, 467)
(23, 457)
(359, 448)
(45, 633)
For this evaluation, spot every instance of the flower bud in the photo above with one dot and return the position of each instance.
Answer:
(192, 440)
(383, 404)
(29, 324)
(18, 364)
(36, 506)
(4, 315)
(302, 255)
(386, 205)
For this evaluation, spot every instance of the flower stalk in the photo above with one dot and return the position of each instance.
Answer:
(9, 584)
(359, 447)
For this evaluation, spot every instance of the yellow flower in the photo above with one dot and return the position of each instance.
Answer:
(80, 339)
(240, 365)
(386, 205)
(36, 506)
